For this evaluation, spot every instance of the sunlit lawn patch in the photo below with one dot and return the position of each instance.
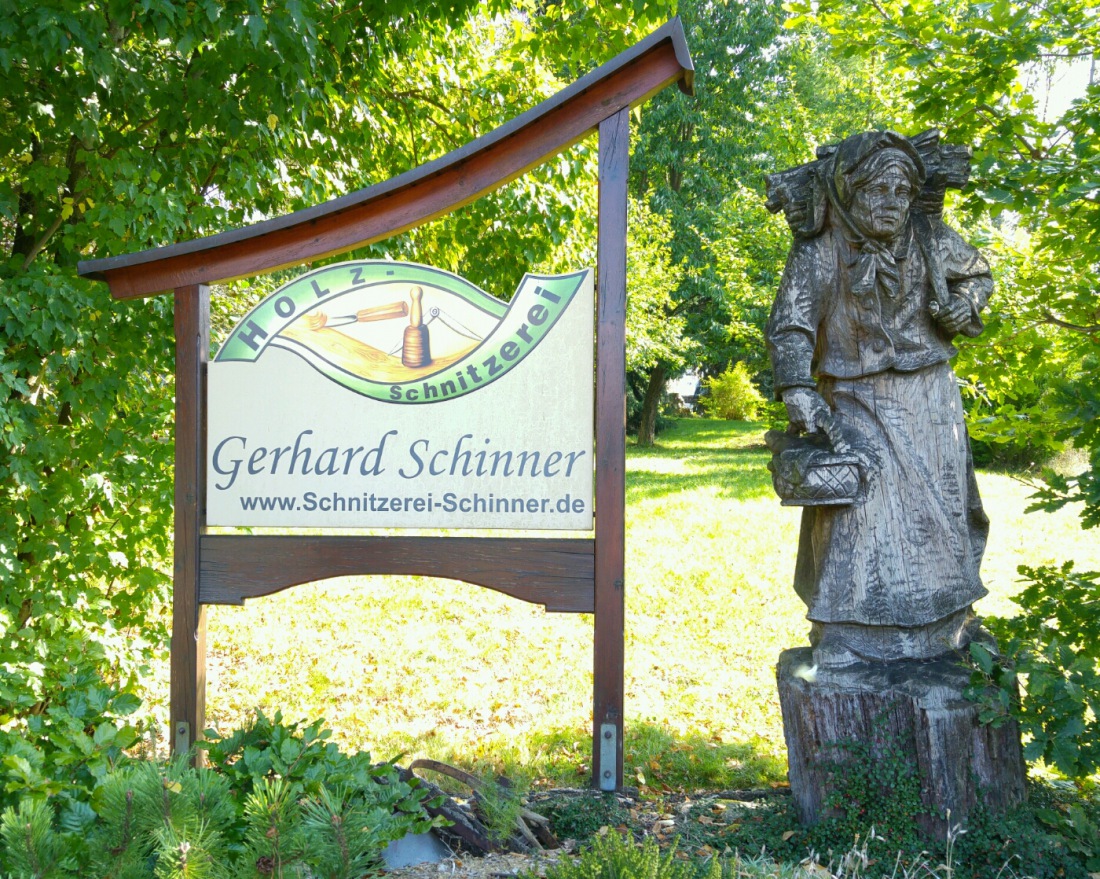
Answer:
(460, 673)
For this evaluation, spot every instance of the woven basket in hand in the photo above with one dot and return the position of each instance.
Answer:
(807, 472)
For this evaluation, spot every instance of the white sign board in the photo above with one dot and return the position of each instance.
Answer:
(382, 394)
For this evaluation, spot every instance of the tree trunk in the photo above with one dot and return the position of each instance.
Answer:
(647, 427)
(899, 717)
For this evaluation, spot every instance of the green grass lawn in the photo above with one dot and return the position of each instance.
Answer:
(453, 671)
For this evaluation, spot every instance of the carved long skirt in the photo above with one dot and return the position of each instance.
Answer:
(908, 554)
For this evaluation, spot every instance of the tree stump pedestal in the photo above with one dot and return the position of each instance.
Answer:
(917, 709)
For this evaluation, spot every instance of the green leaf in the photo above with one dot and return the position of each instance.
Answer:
(982, 656)
(125, 704)
(105, 734)
(289, 750)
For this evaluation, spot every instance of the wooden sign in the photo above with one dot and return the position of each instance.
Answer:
(382, 394)
(566, 574)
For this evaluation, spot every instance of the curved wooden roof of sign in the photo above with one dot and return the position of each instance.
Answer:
(419, 195)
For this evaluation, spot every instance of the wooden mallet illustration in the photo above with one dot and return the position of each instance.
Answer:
(415, 350)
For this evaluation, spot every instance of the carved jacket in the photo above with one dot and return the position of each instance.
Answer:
(820, 327)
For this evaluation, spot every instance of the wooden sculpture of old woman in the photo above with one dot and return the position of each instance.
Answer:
(875, 289)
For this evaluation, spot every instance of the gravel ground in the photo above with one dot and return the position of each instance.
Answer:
(659, 818)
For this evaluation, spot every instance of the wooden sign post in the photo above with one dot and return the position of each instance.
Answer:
(576, 575)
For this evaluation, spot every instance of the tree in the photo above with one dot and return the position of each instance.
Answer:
(125, 126)
(813, 99)
(654, 331)
(688, 153)
(764, 100)
(982, 73)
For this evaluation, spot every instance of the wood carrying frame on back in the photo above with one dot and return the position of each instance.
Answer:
(582, 575)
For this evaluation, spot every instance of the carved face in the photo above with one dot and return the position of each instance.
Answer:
(880, 205)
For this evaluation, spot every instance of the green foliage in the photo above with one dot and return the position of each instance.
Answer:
(764, 99)
(66, 748)
(499, 807)
(297, 804)
(749, 260)
(306, 763)
(871, 784)
(1021, 842)
(270, 748)
(1053, 651)
(654, 331)
(144, 820)
(84, 538)
(582, 817)
(346, 834)
(875, 799)
(32, 848)
(117, 132)
(470, 80)
(1077, 402)
(125, 126)
(733, 396)
(1009, 374)
(1078, 826)
(875, 784)
(613, 857)
(689, 154)
(274, 822)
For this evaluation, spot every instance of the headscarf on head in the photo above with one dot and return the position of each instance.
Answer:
(858, 159)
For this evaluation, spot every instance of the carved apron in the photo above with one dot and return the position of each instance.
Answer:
(907, 554)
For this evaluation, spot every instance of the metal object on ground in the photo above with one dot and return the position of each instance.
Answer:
(415, 848)
(608, 747)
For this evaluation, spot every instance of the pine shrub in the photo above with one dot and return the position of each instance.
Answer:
(615, 857)
(305, 809)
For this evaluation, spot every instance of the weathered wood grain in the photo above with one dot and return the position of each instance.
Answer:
(188, 663)
(917, 708)
(614, 158)
(554, 572)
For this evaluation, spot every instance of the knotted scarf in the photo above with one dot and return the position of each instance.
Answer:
(874, 269)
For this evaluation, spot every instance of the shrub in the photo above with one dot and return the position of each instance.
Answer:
(286, 803)
(1052, 648)
(612, 857)
(67, 745)
(271, 748)
(732, 395)
(581, 817)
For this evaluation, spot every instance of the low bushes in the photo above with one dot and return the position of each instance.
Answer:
(279, 800)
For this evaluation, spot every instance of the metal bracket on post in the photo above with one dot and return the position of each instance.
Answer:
(181, 729)
(609, 747)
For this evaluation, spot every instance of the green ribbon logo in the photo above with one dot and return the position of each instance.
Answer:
(402, 332)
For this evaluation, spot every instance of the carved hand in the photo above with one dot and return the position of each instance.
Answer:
(806, 408)
(955, 316)
(796, 213)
